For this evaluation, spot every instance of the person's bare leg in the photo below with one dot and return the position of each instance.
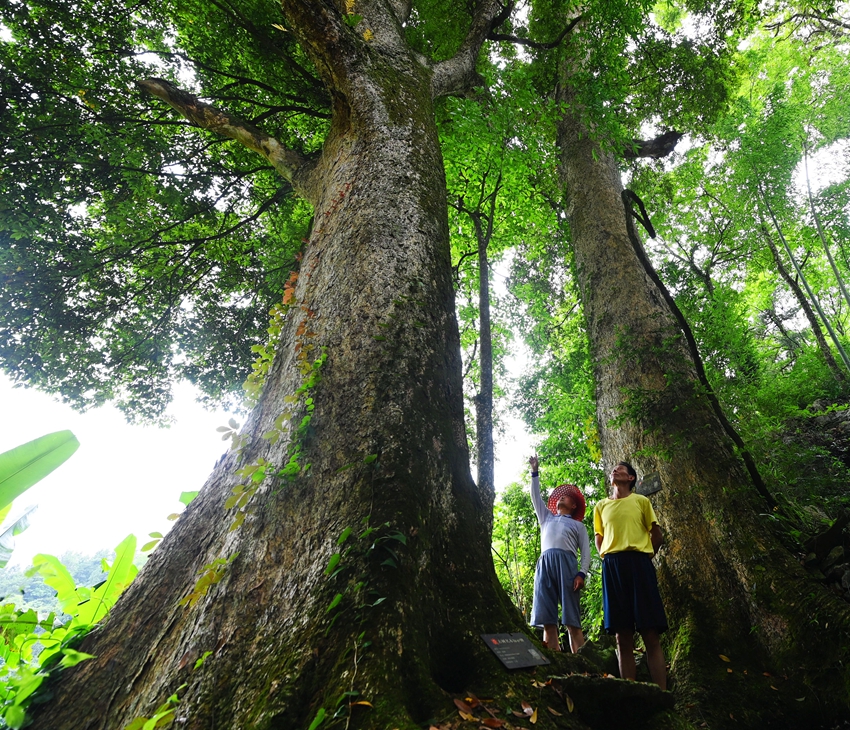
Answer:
(626, 654)
(576, 638)
(655, 657)
(550, 636)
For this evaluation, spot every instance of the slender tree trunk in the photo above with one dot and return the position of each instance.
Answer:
(817, 330)
(812, 296)
(837, 274)
(383, 445)
(484, 399)
(729, 587)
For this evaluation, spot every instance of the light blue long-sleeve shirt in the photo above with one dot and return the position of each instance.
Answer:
(559, 531)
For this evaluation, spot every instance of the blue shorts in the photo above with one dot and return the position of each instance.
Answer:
(553, 584)
(630, 598)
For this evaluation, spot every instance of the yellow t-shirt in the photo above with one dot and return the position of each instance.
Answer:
(624, 524)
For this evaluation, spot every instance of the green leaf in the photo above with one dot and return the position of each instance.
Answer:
(332, 563)
(7, 537)
(59, 579)
(15, 716)
(72, 657)
(121, 574)
(187, 497)
(200, 662)
(369, 459)
(137, 724)
(149, 546)
(25, 465)
(27, 687)
(318, 720)
(344, 535)
(334, 603)
(4, 512)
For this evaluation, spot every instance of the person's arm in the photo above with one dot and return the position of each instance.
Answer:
(584, 548)
(597, 528)
(540, 509)
(655, 537)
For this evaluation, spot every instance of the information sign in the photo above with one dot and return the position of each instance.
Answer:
(515, 651)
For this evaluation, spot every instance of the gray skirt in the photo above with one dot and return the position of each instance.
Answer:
(553, 584)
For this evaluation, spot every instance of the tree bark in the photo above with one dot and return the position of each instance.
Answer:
(383, 444)
(729, 586)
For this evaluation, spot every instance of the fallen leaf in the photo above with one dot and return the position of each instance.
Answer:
(772, 687)
(492, 722)
(554, 712)
(466, 715)
(724, 658)
(473, 701)
(362, 702)
(729, 670)
(570, 704)
(800, 699)
(731, 716)
(517, 713)
(462, 706)
(533, 718)
(526, 708)
(767, 674)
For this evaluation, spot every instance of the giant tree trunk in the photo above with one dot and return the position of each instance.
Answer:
(730, 588)
(385, 446)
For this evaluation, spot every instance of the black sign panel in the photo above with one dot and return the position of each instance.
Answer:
(515, 651)
(650, 484)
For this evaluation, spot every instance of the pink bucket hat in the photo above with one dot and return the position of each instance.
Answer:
(572, 491)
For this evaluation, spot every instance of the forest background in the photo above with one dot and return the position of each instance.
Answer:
(105, 299)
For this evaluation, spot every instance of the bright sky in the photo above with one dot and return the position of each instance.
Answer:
(123, 479)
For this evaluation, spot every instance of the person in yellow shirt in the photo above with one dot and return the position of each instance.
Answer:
(627, 538)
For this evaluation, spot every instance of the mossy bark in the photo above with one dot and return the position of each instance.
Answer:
(729, 586)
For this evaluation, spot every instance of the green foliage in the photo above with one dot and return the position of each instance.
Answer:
(29, 463)
(516, 545)
(134, 250)
(33, 649)
(711, 207)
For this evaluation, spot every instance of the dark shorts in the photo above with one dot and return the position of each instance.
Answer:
(630, 598)
(553, 584)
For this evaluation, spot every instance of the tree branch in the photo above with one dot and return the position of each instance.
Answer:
(656, 148)
(535, 44)
(290, 164)
(457, 74)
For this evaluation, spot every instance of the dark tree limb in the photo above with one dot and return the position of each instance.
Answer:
(536, 44)
(457, 74)
(628, 197)
(290, 164)
(656, 148)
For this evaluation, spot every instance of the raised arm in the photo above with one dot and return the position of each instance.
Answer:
(540, 508)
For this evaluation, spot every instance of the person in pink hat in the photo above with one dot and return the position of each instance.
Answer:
(557, 578)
